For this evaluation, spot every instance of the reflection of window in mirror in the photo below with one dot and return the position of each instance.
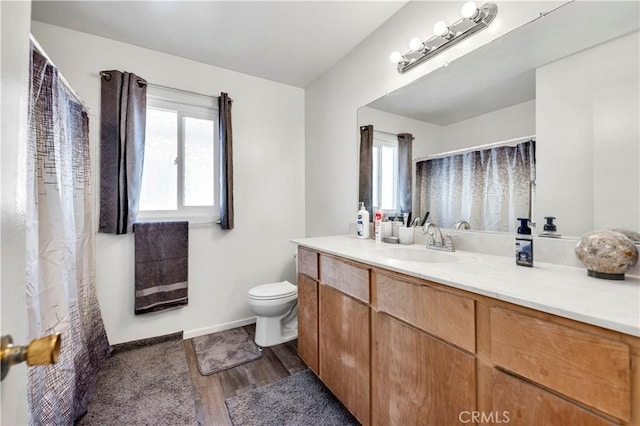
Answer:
(385, 173)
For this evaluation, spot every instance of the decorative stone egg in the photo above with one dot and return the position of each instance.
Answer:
(607, 254)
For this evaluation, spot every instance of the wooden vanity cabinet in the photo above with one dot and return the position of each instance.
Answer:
(308, 308)
(591, 369)
(344, 350)
(308, 321)
(399, 350)
(418, 379)
(424, 368)
(344, 343)
(518, 403)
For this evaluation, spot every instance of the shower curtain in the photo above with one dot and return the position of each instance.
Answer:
(61, 295)
(488, 188)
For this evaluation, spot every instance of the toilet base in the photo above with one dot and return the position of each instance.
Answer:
(271, 332)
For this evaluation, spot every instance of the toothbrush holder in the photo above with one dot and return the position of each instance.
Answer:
(405, 234)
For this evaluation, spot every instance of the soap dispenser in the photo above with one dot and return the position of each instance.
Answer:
(524, 243)
(550, 229)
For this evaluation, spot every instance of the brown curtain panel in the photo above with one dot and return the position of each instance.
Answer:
(122, 130)
(365, 186)
(405, 140)
(226, 161)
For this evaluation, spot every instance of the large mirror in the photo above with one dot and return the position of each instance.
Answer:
(568, 80)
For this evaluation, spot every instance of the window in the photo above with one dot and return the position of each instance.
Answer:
(385, 173)
(180, 175)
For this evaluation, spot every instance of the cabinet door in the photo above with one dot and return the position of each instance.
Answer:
(574, 363)
(308, 321)
(517, 402)
(418, 380)
(344, 350)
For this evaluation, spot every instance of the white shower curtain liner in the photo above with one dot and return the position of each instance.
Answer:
(61, 295)
(488, 188)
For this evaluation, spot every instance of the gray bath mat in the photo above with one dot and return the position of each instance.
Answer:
(300, 399)
(145, 382)
(223, 350)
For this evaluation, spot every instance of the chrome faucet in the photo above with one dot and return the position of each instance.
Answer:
(435, 240)
(462, 224)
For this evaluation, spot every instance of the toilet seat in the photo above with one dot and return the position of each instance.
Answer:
(273, 291)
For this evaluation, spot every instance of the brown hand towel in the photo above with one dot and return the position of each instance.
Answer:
(161, 265)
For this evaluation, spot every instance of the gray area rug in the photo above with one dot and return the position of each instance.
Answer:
(144, 383)
(300, 399)
(223, 350)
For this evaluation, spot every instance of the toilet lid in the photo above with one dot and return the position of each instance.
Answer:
(273, 290)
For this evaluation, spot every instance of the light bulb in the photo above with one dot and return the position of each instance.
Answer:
(396, 57)
(416, 44)
(441, 29)
(469, 10)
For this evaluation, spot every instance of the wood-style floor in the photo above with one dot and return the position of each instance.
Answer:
(277, 362)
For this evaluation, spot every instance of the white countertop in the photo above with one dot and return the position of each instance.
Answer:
(560, 290)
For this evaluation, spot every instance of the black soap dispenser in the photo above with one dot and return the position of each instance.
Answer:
(550, 229)
(524, 243)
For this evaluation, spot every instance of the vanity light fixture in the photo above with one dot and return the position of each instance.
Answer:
(474, 19)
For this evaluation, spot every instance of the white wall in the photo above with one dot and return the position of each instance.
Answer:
(268, 130)
(366, 74)
(597, 92)
(496, 126)
(15, 20)
(427, 136)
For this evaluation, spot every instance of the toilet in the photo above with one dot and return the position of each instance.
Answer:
(276, 309)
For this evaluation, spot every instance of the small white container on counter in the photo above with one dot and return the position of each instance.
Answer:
(395, 226)
(406, 234)
(386, 229)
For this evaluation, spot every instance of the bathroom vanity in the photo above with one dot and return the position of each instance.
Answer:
(403, 337)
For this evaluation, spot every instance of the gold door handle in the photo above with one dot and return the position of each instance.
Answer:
(41, 351)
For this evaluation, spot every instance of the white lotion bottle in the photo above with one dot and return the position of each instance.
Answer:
(362, 222)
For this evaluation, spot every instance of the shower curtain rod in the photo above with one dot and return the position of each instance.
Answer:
(508, 142)
(64, 81)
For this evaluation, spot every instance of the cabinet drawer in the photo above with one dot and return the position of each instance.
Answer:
(588, 368)
(308, 263)
(346, 277)
(516, 402)
(446, 315)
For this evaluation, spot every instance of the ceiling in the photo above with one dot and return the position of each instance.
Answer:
(292, 42)
(502, 73)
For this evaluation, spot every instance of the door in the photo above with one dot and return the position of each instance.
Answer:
(418, 380)
(344, 350)
(308, 321)
(15, 26)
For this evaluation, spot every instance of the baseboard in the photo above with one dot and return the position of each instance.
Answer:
(220, 327)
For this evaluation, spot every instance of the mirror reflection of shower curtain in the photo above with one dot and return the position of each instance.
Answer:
(488, 188)
(61, 294)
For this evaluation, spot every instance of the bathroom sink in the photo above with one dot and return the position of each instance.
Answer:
(418, 254)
